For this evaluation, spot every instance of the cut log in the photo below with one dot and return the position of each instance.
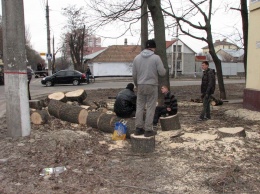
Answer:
(141, 144)
(93, 118)
(77, 95)
(35, 104)
(39, 117)
(231, 132)
(170, 123)
(91, 104)
(216, 102)
(104, 123)
(60, 96)
(68, 112)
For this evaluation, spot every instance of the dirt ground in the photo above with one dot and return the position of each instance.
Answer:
(195, 162)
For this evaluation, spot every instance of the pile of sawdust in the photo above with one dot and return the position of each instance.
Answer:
(244, 114)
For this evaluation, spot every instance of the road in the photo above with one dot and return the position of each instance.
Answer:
(37, 89)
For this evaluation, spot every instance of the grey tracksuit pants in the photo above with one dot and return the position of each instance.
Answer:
(147, 96)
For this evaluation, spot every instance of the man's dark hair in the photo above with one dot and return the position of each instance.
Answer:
(130, 86)
(150, 44)
(206, 63)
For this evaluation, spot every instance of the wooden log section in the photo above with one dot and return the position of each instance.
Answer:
(39, 117)
(216, 102)
(130, 125)
(170, 123)
(141, 144)
(77, 95)
(110, 104)
(68, 112)
(104, 123)
(60, 96)
(93, 119)
(35, 104)
(231, 132)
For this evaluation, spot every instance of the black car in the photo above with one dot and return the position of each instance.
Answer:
(65, 77)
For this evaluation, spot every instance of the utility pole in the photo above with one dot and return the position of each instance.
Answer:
(53, 56)
(16, 85)
(48, 40)
(176, 54)
(82, 48)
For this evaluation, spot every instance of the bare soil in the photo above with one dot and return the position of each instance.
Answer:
(195, 162)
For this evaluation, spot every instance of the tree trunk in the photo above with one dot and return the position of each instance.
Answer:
(244, 15)
(35, 104)
(144, 24)
(68, 112)
(170, 123)
(60, 96)
(105, 123)
(77, 95)
(141, 144)
(217, 62)
(159, 34)
(39, 117)
(93, 118)
(231, 132)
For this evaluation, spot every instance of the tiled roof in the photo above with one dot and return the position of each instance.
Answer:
(118, 53)
(218, 42)
(200, 58)
(169, 43)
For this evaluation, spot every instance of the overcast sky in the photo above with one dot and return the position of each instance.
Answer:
(35, 21)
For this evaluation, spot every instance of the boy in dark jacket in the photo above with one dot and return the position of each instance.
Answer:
(170, 106)
(207, 89)
(125, 105)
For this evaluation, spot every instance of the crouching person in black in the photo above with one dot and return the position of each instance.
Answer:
(170, 106)
(125, 105)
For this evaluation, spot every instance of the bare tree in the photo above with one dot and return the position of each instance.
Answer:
(244, 15)
(76, 35)
(184, 19)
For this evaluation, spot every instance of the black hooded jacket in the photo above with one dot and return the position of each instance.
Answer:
(208, 82)
(125, 103)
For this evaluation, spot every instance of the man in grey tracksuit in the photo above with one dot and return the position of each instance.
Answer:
(146, 68)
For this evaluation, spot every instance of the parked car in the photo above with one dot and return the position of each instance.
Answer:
(64, 77)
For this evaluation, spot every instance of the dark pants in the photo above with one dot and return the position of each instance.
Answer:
(206, 108)
(159, 111)
(87, 76)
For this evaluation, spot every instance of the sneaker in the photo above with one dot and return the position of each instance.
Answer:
(139, 131)
(150, 133)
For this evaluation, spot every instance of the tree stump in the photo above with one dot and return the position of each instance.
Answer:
(39, 117)
(141, 144)
(35, 104)
(93, 118)
(77, 95)
(66, 112)
(104, 123)
(170, 123)
(231, 132)
(60, 96)
(110, 104)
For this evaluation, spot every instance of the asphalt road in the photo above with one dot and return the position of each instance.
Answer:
(37, 89)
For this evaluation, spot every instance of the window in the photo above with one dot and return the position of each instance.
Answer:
(70, 73)
(60, 73)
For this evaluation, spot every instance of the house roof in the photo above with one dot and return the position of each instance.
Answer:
(91, 50)
(118, 53)
(219, 42)
(169, 43)
(93, 55)
(234, 53)
(200, 58)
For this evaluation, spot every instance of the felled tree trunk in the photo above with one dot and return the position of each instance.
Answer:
(141, 144)
(39, 117)
(105, 123)
(231, 132)
(110, 104)
(93, 119)
(35, 104)
(77, 95)
(67, 112)
(170, 123)
(216, 102)
(60, 96)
